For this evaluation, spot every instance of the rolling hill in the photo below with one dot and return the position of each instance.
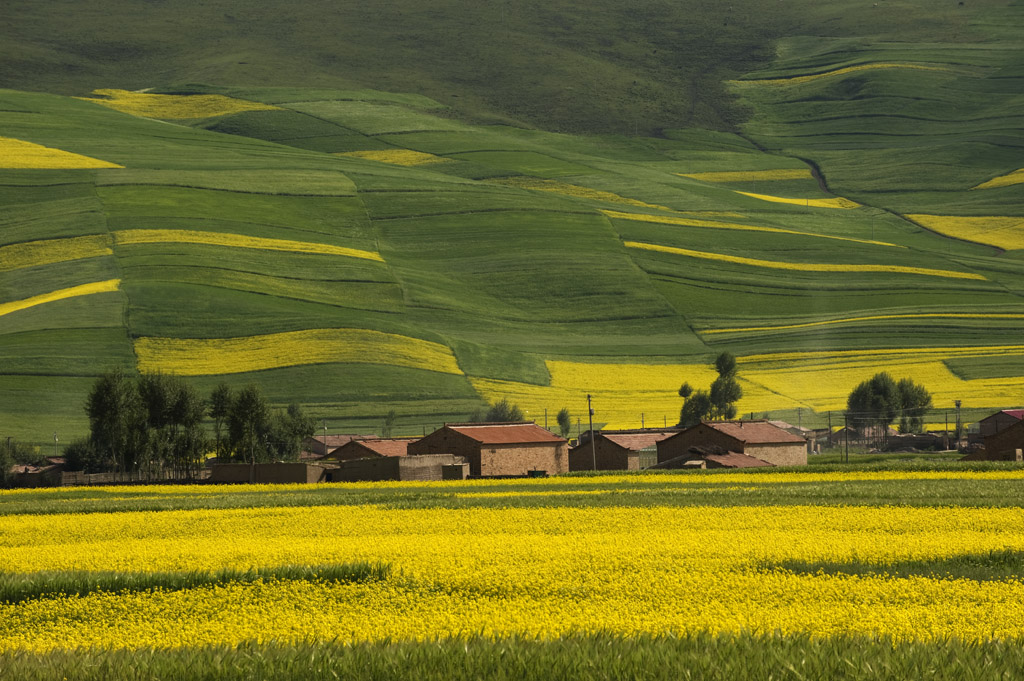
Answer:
(360, 222)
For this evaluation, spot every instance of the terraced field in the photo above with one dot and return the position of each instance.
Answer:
(359, 251)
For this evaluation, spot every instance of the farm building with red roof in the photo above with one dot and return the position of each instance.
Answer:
(758, 439)
(498, 448)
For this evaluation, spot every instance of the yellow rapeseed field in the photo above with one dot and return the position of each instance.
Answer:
(173, 106)
(211, 356)
(1016, 177)
(751, 175)
(45, 252)
(1002, 232)
(838, 202)
(187, 236)
(15, 153)
(398, 157)
(714, 224)
(794, 80)
(556, 187)
(803, 266)
(537, 572)
(61, 294)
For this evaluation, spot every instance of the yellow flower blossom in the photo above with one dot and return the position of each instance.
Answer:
(174, 106)
(210, 356)
(398, 157)
(804, 266)
(61, 294)
(838, 202)
(1016, 177)
(187, 236)
(15, 153)
(1001, 232)
(45, 252)
(556, 187)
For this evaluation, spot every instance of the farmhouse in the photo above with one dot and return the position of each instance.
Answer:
(699, 457)
(757, 439)
(372, 448)
(618, 450)
(498, 448)
(1001, 420)
(1003, 445)
(320, 446)
(422, 467)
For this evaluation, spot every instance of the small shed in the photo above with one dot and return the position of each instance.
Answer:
(267, 473)
(618, 450)
(377, 468)
(702, 458)
(371, 448)
(757, 439)
(492, 449)
(1002, 445)
(321, 446)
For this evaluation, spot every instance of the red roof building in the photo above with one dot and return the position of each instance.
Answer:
(618, 450)
(1001, 420)
(372, 448)
(498, 448)
(758, 439)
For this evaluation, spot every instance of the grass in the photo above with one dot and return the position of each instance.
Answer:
(994, 565)
(702, 657)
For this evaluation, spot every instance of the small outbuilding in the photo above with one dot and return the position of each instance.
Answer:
(321, 446)
(618, 450)
(1003, 445)
(703, 458)
(1001, 420)
(757, 439)
(371, 448)
(423, 468)
(498, 449)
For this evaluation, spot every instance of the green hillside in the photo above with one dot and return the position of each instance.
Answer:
(352, 236)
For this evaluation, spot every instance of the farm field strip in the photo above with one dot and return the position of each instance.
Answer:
(186, 236)
(713, 224)
(1002, 232)
(539, 572)
(215, 356)
(805, 267)
(750, 175)
(837, 202)
(807, 78)
(62, 294)
(399, 157)
(565, 189)
(171, 107)
(865, 318)
(48, 251)
(1015, 177)
(21, 154)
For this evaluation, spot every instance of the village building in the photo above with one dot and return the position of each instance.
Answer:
(1006, 444)
(701, 458)
(423, 467)
(1001, 420)
(618, 450)
(496, 449)
(268, 473)
(321, 446)
(758, 439)
(372, 448)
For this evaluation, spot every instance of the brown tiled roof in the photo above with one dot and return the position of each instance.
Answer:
(1015, 413)
(396, 446)
(505, 433)
(735, 460)
(339, 440)
(637, 441)
(754, 432)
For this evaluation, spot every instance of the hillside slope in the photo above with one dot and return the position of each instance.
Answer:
(359, 250)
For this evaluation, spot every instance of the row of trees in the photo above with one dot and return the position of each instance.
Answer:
(155, 422)
(880, 400)
(716, 403)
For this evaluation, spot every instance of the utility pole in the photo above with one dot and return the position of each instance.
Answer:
(593, 444)
(641, 420)
(830, 429)
(846, 430)
(54, 443)
(959, 424)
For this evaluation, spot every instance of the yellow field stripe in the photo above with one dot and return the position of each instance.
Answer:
(839, 72)
(751, 175)
(186, 236)
(398, 157)
(999, 231)
(810, 203)
(74, 291)
(711, 224)
(871, 318)
(1016, 177)
(15, 153)
(212, 356)
(151, 105)
(47, 251)
(910, 353)
(565, 189)
(805, 267)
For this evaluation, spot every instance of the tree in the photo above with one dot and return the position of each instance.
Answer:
(914, 402)
(503, 411)
(117, 424)
(719, 403)
(289, 428)
(564, 421)
(220, 406)
(81, 456)
(389, 423)
(249, 425)
(874, 403)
